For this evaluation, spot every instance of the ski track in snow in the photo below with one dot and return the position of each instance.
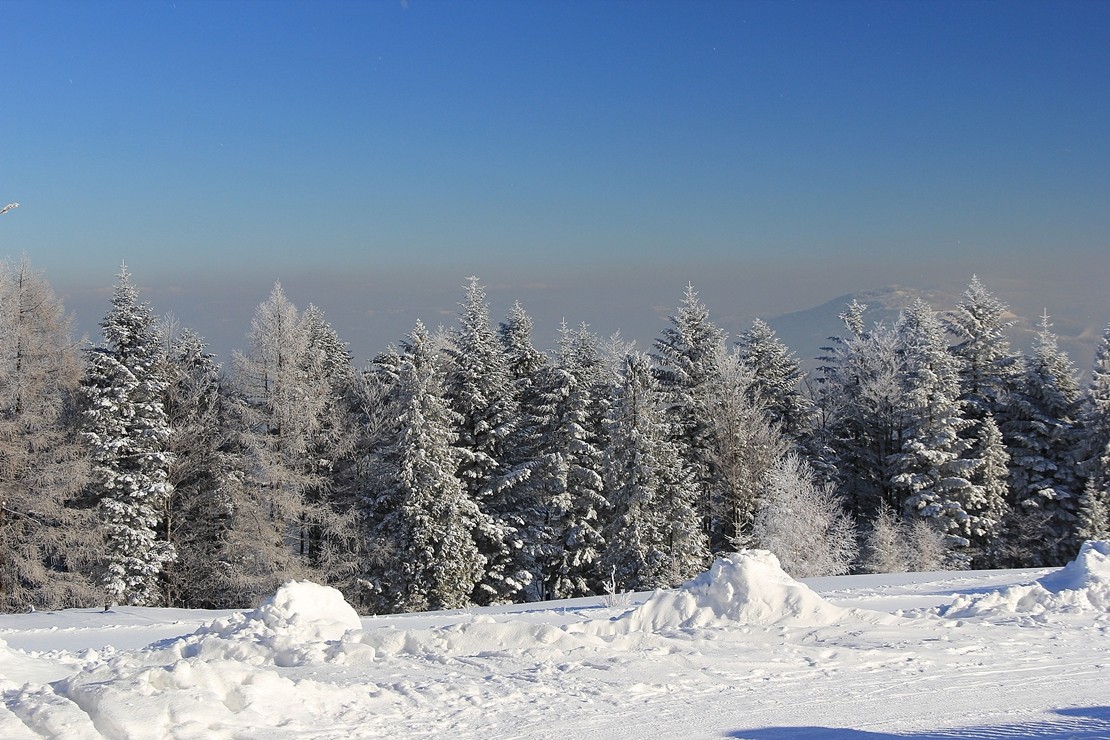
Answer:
(741, 652)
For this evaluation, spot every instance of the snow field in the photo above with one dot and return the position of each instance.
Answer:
(742, 650)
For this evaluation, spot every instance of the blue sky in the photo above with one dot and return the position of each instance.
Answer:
(590, 158)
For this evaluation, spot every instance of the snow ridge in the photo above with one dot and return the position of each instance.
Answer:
(1081, 586)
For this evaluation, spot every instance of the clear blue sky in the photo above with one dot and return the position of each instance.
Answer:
(578, 155)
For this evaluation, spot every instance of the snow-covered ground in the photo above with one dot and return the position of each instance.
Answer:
(743, 651)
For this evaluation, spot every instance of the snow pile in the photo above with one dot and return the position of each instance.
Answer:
(1083, 585)
(748, 587)
(222, 679)
(300, 610)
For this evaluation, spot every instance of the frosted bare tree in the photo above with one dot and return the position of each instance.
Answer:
(803, 523)
(47, 541)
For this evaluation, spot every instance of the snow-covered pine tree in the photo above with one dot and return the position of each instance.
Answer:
(988, 368)
(776, 375)
(1095, 447)
(803, 523)
(127, 429)
(480, 391)
(930, 475)
(654, 538)
(987, 505)
(421, 520)
(685, 357)
(1042, 439)
(199, 511)
(859, 397)
(536, 389)
(333, 528)
(48, 543)
(1094, 514)
(568, 483)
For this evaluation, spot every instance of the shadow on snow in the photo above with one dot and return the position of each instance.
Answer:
(1081, 723)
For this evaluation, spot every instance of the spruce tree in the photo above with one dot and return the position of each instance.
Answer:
(569, 483)
(860, 399)
(654, 539)
(1042, 440)
(685, 355)
(479, 389)
(987, 505)
(988, 368)
(421, 520)
(776, 375)
(930, 475)
(127, 429)
(199, 511)
(1094, 451)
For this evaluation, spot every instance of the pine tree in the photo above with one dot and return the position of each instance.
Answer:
(421, 519)
(1041, 432)
(987, 505)
(199, 511)
(930, 476)
(988, 368)
(1094, 514)
(860, 398)
(479, 389)
(48, 542)
(655, 539)
(333, 527)
(1094, 452)
(569, 487)
(776, 375)
(685, 360)
(537, 388)
(127, 430)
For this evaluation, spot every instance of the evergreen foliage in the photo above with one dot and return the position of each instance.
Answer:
(776, 378)
(654, 539)
(1042, 440)
(685, 356)
(421, 521)
(480, 391)
(127, 430)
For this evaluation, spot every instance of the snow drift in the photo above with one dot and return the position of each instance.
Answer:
(1083, 585)
(748, 587)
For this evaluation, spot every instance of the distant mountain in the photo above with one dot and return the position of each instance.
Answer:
(806, 331)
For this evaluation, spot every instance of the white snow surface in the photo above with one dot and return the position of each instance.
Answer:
(742, 651)
(749, 587)
(1081, 586)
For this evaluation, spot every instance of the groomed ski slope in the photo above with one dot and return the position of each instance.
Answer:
(742, 651)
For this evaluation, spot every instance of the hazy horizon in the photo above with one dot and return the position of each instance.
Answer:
(589, 159)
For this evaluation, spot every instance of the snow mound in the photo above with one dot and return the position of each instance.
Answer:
(300, 610)
(309, 611)
(748, 587)
(1081, 586)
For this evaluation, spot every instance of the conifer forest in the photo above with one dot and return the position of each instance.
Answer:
(463, 466)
